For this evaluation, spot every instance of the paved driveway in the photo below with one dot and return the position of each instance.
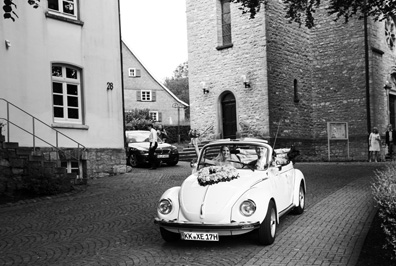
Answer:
(111, 223)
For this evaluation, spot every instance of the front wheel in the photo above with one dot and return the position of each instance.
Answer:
(267, 230)
(132, 160)
(301, 201)
(169, 236)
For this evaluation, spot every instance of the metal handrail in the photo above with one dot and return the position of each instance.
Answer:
(57, 148)
(33, 133)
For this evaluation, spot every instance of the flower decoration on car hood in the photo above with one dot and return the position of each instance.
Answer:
(215, 174)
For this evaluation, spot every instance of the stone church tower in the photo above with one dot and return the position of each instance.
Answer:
(321, 89)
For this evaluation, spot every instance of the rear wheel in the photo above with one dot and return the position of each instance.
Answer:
(301, 201)
(267, 230)
(169, 236)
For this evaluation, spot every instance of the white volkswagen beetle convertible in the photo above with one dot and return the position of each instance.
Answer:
(237, 186)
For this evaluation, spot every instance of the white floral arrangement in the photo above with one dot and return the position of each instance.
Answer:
(215, 174)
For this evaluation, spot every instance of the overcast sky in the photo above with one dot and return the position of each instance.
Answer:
(156, 32)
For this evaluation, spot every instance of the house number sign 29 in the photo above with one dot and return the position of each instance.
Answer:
(109, 85)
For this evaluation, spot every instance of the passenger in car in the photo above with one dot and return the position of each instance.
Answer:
(225, 157)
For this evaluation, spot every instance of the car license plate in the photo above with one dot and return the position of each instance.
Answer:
(200, 236)
(162, 156)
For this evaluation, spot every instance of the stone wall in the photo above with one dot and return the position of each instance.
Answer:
(105, 162)
(289, 62)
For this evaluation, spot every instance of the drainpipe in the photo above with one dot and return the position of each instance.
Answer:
(366, 54)
(122, 78)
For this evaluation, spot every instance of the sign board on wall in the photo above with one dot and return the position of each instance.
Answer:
(337, 131)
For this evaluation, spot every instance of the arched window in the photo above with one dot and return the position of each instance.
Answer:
(66, 94)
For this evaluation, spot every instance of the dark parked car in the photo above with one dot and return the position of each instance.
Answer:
(138, 146)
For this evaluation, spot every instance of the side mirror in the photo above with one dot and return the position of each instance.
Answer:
(193, 163)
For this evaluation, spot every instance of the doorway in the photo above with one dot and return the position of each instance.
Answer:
(228, 110)
(392, 111)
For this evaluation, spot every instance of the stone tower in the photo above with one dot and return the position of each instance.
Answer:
(321, 89)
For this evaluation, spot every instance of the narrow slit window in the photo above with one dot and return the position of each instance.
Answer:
(295, 86)
(226, 21)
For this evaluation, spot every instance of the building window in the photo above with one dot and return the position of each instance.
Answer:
(154, 116)
(72, 167)
(66, 94)
(146, 96)
(224, 39)
(295, 86)
(64, 8)
(226, 21)
(134, 72)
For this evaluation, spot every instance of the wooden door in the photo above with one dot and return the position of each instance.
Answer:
(229, 116)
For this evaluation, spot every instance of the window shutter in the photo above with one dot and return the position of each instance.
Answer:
(137, 73)
(138, 96)
(154, 96)
(159, 117)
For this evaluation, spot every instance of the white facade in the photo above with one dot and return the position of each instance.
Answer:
(84, 39)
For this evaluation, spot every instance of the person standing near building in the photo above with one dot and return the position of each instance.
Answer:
(153, 139)
(390, 136)
(194, 135)
(374, 144)
(162, 134)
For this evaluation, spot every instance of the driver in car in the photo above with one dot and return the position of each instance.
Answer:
(261, 162)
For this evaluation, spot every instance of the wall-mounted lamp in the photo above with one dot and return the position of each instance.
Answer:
(246, 81)
(204, 89)
(7, 43)
(387, 86)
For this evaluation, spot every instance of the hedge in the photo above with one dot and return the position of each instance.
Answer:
(384, 191)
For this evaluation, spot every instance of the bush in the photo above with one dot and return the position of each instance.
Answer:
(384, 191)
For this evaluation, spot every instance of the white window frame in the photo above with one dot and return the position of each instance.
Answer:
(65, 81)
(134, 72)
(61, 12)
(154, 115)
(146, 95)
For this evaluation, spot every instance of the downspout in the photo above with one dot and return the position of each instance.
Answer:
(122, 78)
(366, 53)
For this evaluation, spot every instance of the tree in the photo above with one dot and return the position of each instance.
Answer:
(178, 84)
(137, 119)
(299, 10)
(9, 5)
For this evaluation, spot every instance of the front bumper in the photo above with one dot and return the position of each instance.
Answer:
(232, 227)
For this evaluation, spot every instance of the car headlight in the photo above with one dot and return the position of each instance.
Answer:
(165, 206)
(173, 149)
(248, 207)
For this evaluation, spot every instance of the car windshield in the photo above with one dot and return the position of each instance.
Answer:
(241, 156)
(138, 136)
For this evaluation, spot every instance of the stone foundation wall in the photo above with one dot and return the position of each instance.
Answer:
(105, 162)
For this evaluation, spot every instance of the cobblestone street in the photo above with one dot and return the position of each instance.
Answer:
(111, 223)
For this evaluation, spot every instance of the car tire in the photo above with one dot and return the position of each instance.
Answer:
(172, 163)
(267, 230)
(301, 201)
(169, 236)
(132, 160)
